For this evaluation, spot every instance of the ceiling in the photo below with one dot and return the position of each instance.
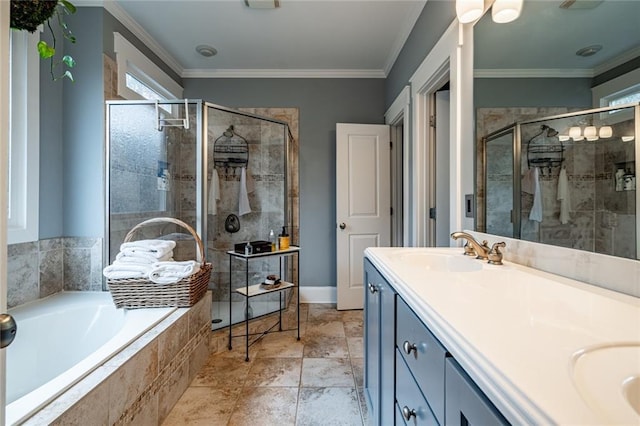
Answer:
(301, 38)
(543, 41)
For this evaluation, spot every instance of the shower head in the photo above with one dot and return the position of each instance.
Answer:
(550, 132)
(229, 132)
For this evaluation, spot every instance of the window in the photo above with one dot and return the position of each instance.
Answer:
(139, 77)
(24, 138)
(621, 90)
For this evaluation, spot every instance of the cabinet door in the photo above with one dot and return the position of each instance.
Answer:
(372, 340)
(465, 403)
(387, 352)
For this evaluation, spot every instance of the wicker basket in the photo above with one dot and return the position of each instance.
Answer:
(135, 293)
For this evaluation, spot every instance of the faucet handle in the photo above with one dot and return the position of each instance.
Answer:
(469, 250)
(495, 255)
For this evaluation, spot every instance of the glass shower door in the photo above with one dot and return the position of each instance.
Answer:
(499, 182)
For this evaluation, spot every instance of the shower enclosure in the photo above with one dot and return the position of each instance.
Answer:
(567, 180)
(206, 165)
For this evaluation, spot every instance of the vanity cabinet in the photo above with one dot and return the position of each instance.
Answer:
(466, 404)
(379, 338)
(423, 356)
(409, 377)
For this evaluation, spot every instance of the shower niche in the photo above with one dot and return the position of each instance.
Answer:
(566, 180)
(208, 166)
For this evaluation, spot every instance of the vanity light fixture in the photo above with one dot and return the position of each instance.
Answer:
(563, 138)
(469, 10)
(590, 133)
(627, 138)
(504, 11)
(575, 133)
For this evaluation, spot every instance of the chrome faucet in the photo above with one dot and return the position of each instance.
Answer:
(481, 250)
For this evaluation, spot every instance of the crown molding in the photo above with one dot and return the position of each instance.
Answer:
(534, 73)
(281, 73)
(403, 35)
(617, 61)
(113, 8)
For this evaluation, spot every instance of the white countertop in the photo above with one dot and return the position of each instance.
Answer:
(515, 330)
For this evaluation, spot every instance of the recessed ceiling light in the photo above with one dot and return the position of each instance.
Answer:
(206, 50)
(262, 4)
(589, 50)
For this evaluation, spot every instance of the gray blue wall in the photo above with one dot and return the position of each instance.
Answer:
(322, 103)
(532, 92)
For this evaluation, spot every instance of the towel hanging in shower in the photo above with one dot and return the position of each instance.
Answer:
(563, 197)
(243, 198)
(214, 193)
(536, 209)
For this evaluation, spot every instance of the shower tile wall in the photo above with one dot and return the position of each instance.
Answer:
(266, 167)
(602, 219)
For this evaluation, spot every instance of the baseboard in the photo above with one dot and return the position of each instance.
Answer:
(324, 294)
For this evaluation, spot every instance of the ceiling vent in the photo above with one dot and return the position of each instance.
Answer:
(580, 4)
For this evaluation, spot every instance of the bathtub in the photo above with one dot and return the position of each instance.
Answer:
(63, 338)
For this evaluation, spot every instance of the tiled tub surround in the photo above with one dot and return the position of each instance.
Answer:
(519, 333)
(141, 384)
(41, 268)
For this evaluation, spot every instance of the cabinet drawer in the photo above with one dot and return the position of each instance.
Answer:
(425, 359)
(409, 400)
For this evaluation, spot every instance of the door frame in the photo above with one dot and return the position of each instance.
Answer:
(4, 162)
(400, 113)
(452, 58)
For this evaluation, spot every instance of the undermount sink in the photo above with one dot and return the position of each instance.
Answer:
(608, 380)
(435, 261)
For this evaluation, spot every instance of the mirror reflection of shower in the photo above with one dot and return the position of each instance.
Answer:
(566, 180)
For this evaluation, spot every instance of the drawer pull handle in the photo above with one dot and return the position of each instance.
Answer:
(407, 413)
(372, 288)
(408, 347)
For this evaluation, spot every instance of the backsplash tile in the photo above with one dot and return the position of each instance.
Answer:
(614, 273)
(41, 268)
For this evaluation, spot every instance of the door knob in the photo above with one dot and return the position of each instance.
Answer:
(8, 329)
(343, 225)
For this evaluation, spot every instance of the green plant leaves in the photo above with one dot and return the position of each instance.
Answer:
(45, 50)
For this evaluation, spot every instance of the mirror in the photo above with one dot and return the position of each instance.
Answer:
(529, 69)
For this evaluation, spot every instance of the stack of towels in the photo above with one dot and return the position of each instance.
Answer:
(152, 260)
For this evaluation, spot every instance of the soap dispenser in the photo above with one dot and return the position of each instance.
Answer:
(284, 239)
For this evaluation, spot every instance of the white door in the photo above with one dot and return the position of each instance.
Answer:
(4, 163)
(363, 203)
(442, 188)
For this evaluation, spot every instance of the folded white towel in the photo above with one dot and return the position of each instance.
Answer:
(563, 197)
(130, 270)
(142, 257)
(172, 272)
(159, 248)
(243, 201)
(536, 209)
(214, 192)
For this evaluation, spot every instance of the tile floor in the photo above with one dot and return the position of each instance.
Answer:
(314, 381)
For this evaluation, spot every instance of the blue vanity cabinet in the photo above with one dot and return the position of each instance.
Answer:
(465, 403)
(379, 338)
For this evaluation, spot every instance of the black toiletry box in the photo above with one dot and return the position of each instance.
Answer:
(259, 246)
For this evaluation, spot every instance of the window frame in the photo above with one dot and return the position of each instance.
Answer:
(133, 62)
(616, 88)
(24, 140)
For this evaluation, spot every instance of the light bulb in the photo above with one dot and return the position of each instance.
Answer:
(469, 10)
(563, 138)
(590, 132)
(627, 138)
(504, 11)
(575, 133)
(593, 138)
(605, 132)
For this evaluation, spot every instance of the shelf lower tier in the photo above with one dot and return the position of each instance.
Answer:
(257, 290)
